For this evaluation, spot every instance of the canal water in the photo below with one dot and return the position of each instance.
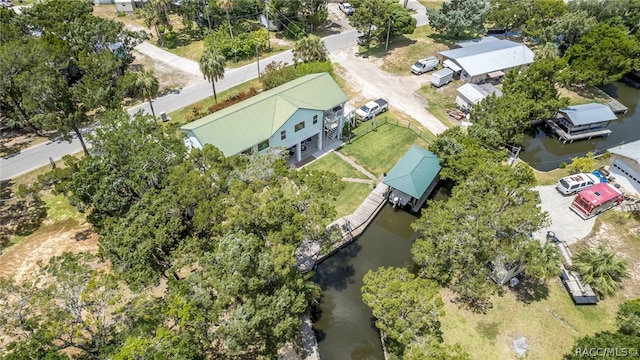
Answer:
(345, 327)
(544, 152)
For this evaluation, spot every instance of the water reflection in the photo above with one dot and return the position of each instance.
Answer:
(345, 326)
(544, 152)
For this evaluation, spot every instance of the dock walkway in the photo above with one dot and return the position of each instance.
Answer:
(565, 136)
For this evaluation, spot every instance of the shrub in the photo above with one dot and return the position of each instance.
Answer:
(276, 74)
(242, 46)
(121, 14)
(241, 96)
(170, 40)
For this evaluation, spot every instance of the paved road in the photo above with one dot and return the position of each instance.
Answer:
(38, 156)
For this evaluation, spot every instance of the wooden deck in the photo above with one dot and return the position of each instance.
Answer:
(569, 137)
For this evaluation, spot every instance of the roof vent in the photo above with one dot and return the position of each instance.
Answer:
(596, 193)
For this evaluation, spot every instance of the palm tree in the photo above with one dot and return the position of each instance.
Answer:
(601, 269)
(146, 85)
(309, 48)
(212, 66)
(227, 6)
(162, 6)
(547, 51)
(151, 17)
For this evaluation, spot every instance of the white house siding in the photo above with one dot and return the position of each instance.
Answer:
(625, 172)
(294, 138)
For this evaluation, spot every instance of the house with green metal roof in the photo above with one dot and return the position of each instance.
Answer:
(310, 107)
(413, 178)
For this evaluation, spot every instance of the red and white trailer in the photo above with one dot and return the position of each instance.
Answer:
(596, 199)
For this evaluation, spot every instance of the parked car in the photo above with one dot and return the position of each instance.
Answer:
(425, 65)
(368, 110)
(6, 3)
(346, 8)
(572, 184)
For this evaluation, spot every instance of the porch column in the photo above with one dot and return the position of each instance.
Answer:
(320, 140)
(299, 152)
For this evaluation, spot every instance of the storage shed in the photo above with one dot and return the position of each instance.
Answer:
(413, 178)
(471, 94)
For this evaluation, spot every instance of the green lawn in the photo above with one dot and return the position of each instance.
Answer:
(333, 163)
(550, 326)
(379, 150)
(351, 197)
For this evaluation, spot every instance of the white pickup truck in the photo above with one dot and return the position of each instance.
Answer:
(368, 110)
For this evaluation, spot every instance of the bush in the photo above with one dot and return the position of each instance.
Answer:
(276, 74)
(170, 40)
(241, 96)
(121, 14)
(242, 46)
(295, 30)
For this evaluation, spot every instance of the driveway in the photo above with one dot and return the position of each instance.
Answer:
(364, 75)
(567, 225)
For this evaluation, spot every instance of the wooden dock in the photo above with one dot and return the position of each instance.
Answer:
(351, 226)
(616, 106)
(565, 136)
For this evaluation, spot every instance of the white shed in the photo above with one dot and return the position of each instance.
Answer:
(126, 6)
(471, 94)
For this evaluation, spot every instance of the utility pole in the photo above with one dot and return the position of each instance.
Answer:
(258, 61)
(386, 45)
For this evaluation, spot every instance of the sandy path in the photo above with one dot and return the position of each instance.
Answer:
(365, 75)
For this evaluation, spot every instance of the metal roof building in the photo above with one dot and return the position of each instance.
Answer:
(283, 116)
(586, 114)
(624, 164)
(488, 55)
(471, 94)
(413, 178)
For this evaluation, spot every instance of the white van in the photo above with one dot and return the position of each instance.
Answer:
(572, 184)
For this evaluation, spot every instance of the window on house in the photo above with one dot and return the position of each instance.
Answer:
(283, 134)
(263, 145)
(315, 119)
(299, 126)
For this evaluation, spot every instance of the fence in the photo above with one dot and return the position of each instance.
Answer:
(369, 126)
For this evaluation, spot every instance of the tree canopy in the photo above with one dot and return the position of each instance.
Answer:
(489, 215)
(374, 18)
(458, 17)
(406, 308)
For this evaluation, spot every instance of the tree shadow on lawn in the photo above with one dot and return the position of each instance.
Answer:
(529, 291)
(449, 41)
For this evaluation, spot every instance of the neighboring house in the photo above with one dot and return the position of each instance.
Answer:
(309, 107)
(413, 178)
(471, 94)
(126, 6)
(485, 59)
(624, 165)
(582, 121)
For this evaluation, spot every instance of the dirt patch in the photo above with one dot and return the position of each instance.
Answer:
(21, 260)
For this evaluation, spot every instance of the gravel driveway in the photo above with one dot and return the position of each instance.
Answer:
(364, 75)
(567, 225)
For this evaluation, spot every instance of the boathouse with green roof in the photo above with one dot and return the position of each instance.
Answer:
(413, 178)
(310, 108)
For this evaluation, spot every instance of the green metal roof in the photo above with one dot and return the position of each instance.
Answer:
(240, 126)
(414, 172)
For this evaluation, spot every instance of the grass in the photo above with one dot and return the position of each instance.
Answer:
(350, 198)
(441, 99)
(379, 150)
(585, 95)
(431, 4)
(333, 163)
(406, 51)
(550, 326)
